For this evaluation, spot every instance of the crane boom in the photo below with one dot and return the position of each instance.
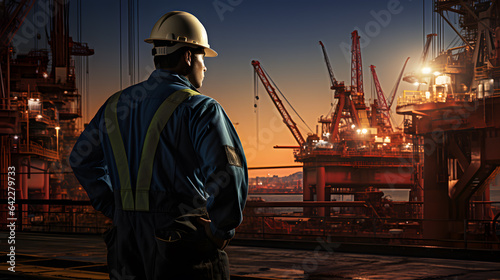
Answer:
(287, 119)
(378, 88)
(383, 103)
(14, 17)
(426, 48)
(333, 81)
(393, 94)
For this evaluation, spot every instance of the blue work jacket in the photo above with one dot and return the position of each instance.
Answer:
(199, 160)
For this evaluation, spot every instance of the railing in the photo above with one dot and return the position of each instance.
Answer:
(354, 223)
(354, 153)
(55, 216)
(412, 97)
(361, 228)
(37, 149)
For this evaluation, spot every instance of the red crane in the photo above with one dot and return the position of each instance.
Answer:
(382, 103)
(345, 102)
(287, 119)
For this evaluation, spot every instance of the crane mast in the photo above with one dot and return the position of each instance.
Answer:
(356, 65)
(287, 119)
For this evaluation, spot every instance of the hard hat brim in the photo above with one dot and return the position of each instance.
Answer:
(208, 51)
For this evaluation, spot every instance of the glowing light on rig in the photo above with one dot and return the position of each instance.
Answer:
(45, 75)
(426, 70)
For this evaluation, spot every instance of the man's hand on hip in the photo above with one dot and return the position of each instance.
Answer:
(220, 243)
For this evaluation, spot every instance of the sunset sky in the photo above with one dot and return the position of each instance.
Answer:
(283, 36)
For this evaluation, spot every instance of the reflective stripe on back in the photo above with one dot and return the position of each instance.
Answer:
(121, 161)
(155, 128)
(145, 172)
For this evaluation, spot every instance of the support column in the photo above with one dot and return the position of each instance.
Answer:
(46, 186)
(306, 192)
(320, 188)
(436, 199)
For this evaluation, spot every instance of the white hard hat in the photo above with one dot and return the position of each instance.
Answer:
(182, 28)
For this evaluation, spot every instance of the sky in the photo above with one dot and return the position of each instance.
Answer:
(282, 35)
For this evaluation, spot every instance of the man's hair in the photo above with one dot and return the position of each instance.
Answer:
(172, 59)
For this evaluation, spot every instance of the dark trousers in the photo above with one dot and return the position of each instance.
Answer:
(128, 260)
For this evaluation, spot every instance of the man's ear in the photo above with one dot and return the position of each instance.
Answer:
(187, 57)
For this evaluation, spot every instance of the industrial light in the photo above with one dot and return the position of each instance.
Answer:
(437, 73)
(39, 116)
(57, 127)
(416, 83)
(426, 70)
(427, 94)
(358, 131)
(16, 137)
(353, 126)
(364, 130)
(45, 75)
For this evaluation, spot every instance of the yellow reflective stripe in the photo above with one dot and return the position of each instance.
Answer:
(121, 161)
(155, 128)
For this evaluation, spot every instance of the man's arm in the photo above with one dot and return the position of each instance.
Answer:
(87, 161)
(224, 165)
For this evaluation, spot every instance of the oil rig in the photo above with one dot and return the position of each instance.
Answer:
(357, 151)
(456, 119)
(446, 153)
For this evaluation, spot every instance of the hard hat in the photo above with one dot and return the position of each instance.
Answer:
(182, 28)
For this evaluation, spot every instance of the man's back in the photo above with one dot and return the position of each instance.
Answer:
(198, 162)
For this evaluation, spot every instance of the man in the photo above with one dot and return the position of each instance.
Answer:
(165, 163)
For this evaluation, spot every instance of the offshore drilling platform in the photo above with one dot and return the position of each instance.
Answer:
(445, 154)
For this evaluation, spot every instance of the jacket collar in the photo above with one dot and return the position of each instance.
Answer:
(172, 77)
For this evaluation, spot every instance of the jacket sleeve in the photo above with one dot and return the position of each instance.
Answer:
(224, 166)
(87, 161)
